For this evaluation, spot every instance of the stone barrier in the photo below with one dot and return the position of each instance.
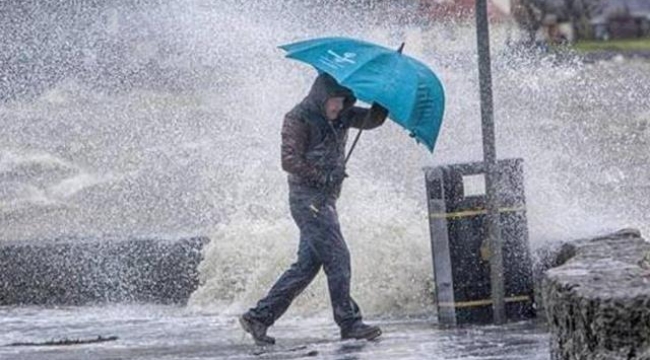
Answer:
(82, 271)
(597, 298)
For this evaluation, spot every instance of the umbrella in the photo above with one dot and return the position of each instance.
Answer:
(405, 86)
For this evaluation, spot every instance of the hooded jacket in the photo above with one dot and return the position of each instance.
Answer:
(313, 146)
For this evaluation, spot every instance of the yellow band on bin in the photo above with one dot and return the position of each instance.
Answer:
(465, 304)
(467, 213)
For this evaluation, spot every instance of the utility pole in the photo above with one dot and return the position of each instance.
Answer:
(493, 230)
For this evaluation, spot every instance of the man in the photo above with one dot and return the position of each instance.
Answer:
(314, 135)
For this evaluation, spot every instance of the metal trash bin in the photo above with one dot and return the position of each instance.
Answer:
(457, 210)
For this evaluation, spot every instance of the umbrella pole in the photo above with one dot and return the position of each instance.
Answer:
(354, 143)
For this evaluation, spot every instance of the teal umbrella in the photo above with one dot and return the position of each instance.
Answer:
(410, 91)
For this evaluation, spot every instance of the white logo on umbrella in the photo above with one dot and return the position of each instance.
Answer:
(347, 57)
(337, 60)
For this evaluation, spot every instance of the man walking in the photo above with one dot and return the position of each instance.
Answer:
(314, 135)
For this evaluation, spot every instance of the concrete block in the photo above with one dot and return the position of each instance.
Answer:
(73, 271)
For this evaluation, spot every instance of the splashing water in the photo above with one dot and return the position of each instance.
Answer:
(164, 118)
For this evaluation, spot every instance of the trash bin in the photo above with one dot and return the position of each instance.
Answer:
(457, 214)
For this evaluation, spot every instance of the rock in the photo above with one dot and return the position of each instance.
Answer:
(81, 271)
(597, 301)
(546, 258)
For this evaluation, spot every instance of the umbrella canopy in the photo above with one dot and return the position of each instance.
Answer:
(405, 86)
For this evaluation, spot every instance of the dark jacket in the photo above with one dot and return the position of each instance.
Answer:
(313, 146)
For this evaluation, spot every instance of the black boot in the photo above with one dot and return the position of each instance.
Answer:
(256, 329)
(359, 330)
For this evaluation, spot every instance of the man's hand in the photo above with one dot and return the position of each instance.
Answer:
(377, 113)
(367, 119)
(332, 178)
(337, 175)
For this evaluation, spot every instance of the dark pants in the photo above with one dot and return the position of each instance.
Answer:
(321, 244)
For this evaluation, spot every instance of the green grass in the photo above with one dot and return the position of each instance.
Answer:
(614, 45)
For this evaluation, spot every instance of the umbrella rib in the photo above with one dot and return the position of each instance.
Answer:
(359, 67)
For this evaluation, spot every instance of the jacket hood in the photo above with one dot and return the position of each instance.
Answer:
(324, 88)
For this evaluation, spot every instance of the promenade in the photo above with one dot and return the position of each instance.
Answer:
(163, 332)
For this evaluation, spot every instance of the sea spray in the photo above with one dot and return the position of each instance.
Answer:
(165, 119)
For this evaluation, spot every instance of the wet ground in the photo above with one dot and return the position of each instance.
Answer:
(164, 332)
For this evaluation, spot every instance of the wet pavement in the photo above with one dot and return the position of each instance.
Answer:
(164, 332)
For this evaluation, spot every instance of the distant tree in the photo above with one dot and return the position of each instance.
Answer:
(580, 12)
(529, 15)
(532, 14)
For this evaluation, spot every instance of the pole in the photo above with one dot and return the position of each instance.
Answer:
(489, 158)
